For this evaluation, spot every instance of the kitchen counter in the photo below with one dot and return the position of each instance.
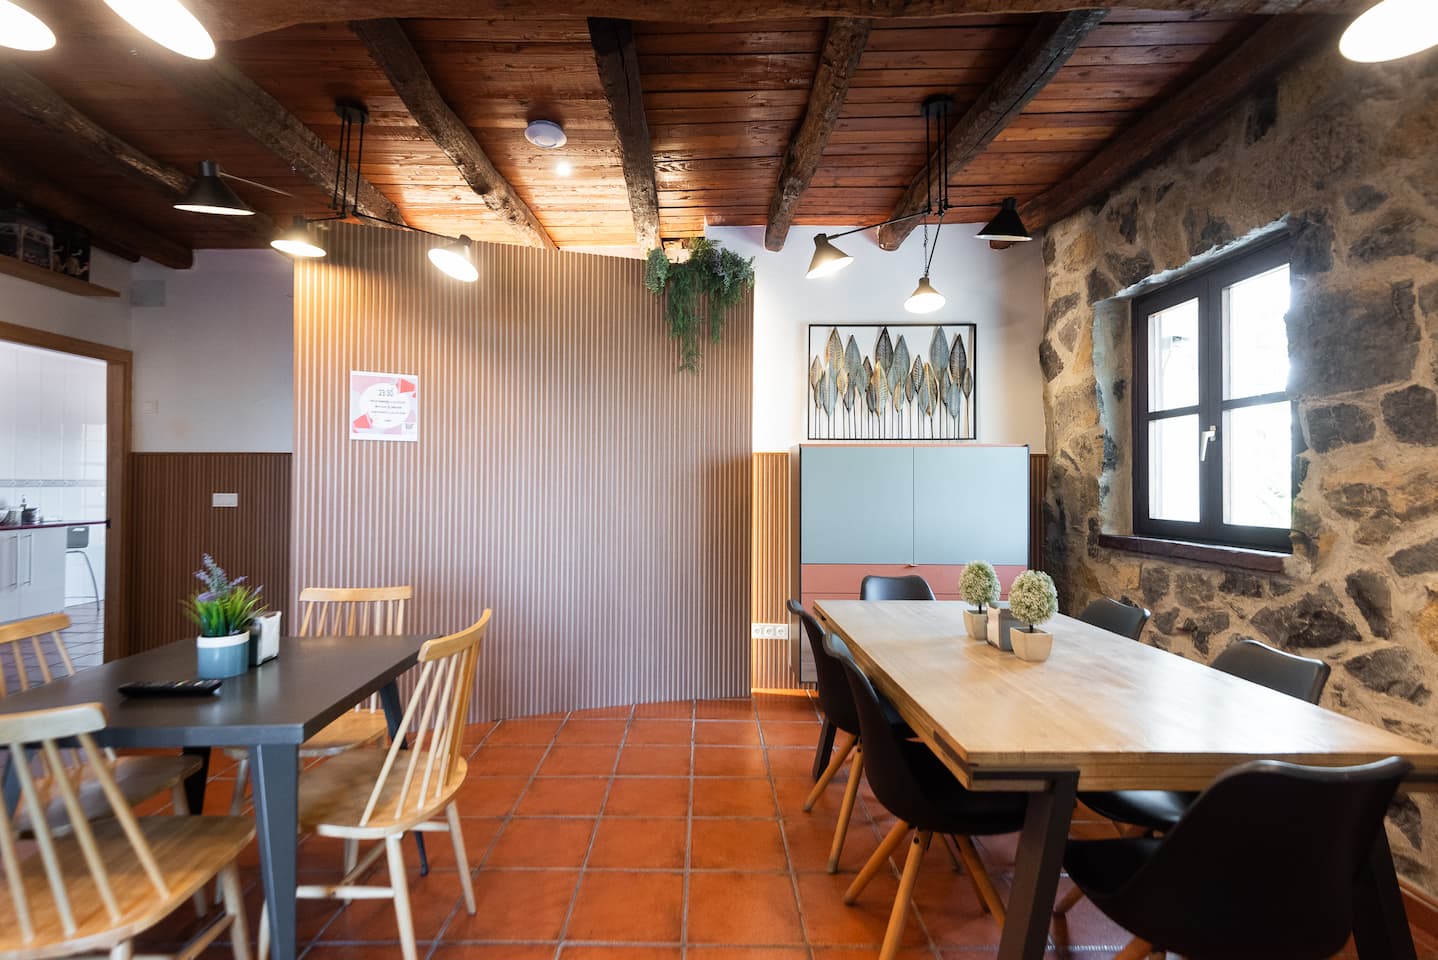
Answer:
(52, 524)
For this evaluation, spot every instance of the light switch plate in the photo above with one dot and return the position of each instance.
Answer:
(224, 499)
(150, 406)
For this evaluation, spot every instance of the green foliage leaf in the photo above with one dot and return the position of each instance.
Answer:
(979, 584)
(697, 292)
(1032, 598)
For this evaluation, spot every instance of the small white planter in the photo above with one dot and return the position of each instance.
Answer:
(977, 624)
(1000, 626)
(264, 638)
(1032, 645)
(221, 657)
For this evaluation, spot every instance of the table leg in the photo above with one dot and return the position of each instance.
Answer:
(275, 772)
(1380, 924)
(826, 747)
(1036, 874)
(393, 717)
(195, 782)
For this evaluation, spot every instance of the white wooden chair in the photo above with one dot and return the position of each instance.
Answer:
(343, 612)
(374, 794)
(92, 887)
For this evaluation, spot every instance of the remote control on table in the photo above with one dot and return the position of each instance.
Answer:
(171, 688)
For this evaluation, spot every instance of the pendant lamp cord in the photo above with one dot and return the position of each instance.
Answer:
(941, 121)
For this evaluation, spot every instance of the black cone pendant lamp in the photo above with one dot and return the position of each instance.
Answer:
(209, 194)
(828, 259)
(1006, 226)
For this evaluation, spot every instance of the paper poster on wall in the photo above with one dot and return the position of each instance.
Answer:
(384, 406)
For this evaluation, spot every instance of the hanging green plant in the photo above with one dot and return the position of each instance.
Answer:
(697, 292)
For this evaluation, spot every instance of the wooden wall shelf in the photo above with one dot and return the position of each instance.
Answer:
(49, 278)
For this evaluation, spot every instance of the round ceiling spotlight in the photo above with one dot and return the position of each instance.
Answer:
(545, 133)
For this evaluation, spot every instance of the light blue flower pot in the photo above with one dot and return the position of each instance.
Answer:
(221, 657)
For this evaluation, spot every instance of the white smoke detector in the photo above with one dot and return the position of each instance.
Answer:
(545, 133)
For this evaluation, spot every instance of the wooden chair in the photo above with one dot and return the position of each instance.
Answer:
(94, 886)
(343, 612)
(139, 778)
(373, 794)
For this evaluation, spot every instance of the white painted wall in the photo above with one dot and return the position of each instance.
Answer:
(99, 319)
(1001, 291)
(214, 354)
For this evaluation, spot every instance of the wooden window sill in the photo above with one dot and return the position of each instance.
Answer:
(1241, 558)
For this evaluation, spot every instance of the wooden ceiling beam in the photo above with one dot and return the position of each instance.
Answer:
(119, 234)
(230, 97)
(844, 44)
(1047, 48)
(613, 42)
(392, 51)
(36, 102)
(1268, 51)
(236, 19)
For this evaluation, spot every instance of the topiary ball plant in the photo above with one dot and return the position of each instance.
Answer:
(697, 291)
(979, 584)
(1033, 598)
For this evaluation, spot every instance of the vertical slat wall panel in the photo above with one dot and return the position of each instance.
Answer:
(1038, 493)
(566, 474)
(773, 567)
(174, 523)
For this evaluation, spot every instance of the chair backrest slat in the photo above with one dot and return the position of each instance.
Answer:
(14, 636)
(354, 611)
(43, 840)
(10, 864)
(80, 826)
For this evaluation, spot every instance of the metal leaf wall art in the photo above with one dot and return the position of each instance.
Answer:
(892, 382)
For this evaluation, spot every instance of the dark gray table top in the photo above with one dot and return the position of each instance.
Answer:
(287, 700)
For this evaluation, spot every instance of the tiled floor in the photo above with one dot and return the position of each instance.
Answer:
(84, 641)
(656, 832)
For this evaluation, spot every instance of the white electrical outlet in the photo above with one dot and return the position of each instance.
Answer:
(224, 499)
(769, 631)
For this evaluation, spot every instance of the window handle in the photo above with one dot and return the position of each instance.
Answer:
(1209, 436)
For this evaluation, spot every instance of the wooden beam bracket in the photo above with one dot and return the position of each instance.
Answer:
(618, 64)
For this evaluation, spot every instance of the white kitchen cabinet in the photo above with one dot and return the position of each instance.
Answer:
(9, 575)
(32, 572)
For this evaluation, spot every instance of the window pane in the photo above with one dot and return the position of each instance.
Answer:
(1173, 469)
(1255, 338)
(1173, 357)
(1258, 465)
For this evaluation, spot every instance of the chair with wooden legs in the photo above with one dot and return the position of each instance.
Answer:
(83, 886)
(138, 778)
(340, 612)
(373, 794)
(919, 790)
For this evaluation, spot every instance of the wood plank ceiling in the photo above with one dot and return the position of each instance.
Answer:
(722, 102)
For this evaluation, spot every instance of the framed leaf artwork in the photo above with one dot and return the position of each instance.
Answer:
(907, 381)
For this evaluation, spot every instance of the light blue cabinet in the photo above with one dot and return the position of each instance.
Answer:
(971, 503)
(857, 503)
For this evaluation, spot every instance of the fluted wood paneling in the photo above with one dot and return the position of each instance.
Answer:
(566, 474)
(174, 524)
(1038, 492)
(773, 568)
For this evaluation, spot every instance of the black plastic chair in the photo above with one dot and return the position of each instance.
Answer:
(912, 587)
(1115, 616)
(919, 790)
(1159, 810)
(1263, 865)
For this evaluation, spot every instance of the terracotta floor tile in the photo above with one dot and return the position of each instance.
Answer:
(507, 760)
(546, 842)
(829, 922)
(476, 732)
(620, 712)
(660, 731)
(723, 710)
(774, 706)
(736, 845)
(636, 907)
(517, 905)
(727, 733)
(810, 837)
(478, 833)
(792, 792)
(621, 953)
(706, 952)
(592, 731)
(951, 911)
(789, 733)
(654, 761)
(1084, 925)
(636, 844)
(905, 953)
(563, 797)
(729, 762)
(765, 902)
(648, 797)
(483, 796)
(431, 898)
(579, 760)
(479, 951)
(668, 710)
(525, 731)
(349, 951)
(794, 762)
(733, 797)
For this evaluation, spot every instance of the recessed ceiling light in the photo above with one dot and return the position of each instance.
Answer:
(168, 23)
(1391, 29)
(22, 30)
(545, 133)
(564, 168)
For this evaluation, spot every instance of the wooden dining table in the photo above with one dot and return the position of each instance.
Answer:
(271, 710)
(1103, 713)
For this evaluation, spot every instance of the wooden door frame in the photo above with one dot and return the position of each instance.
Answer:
(119, 366)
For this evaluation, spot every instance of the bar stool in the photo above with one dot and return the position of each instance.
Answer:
(77, 540)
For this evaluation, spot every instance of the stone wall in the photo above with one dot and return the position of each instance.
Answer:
(1345, 153)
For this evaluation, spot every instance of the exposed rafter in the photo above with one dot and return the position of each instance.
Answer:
(36, 102)
(844, 44)
(618, 64)
(114, 232)
(234, 19)
(396, 56)
(234, 99)
(1270, 50)
(1047, 48)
